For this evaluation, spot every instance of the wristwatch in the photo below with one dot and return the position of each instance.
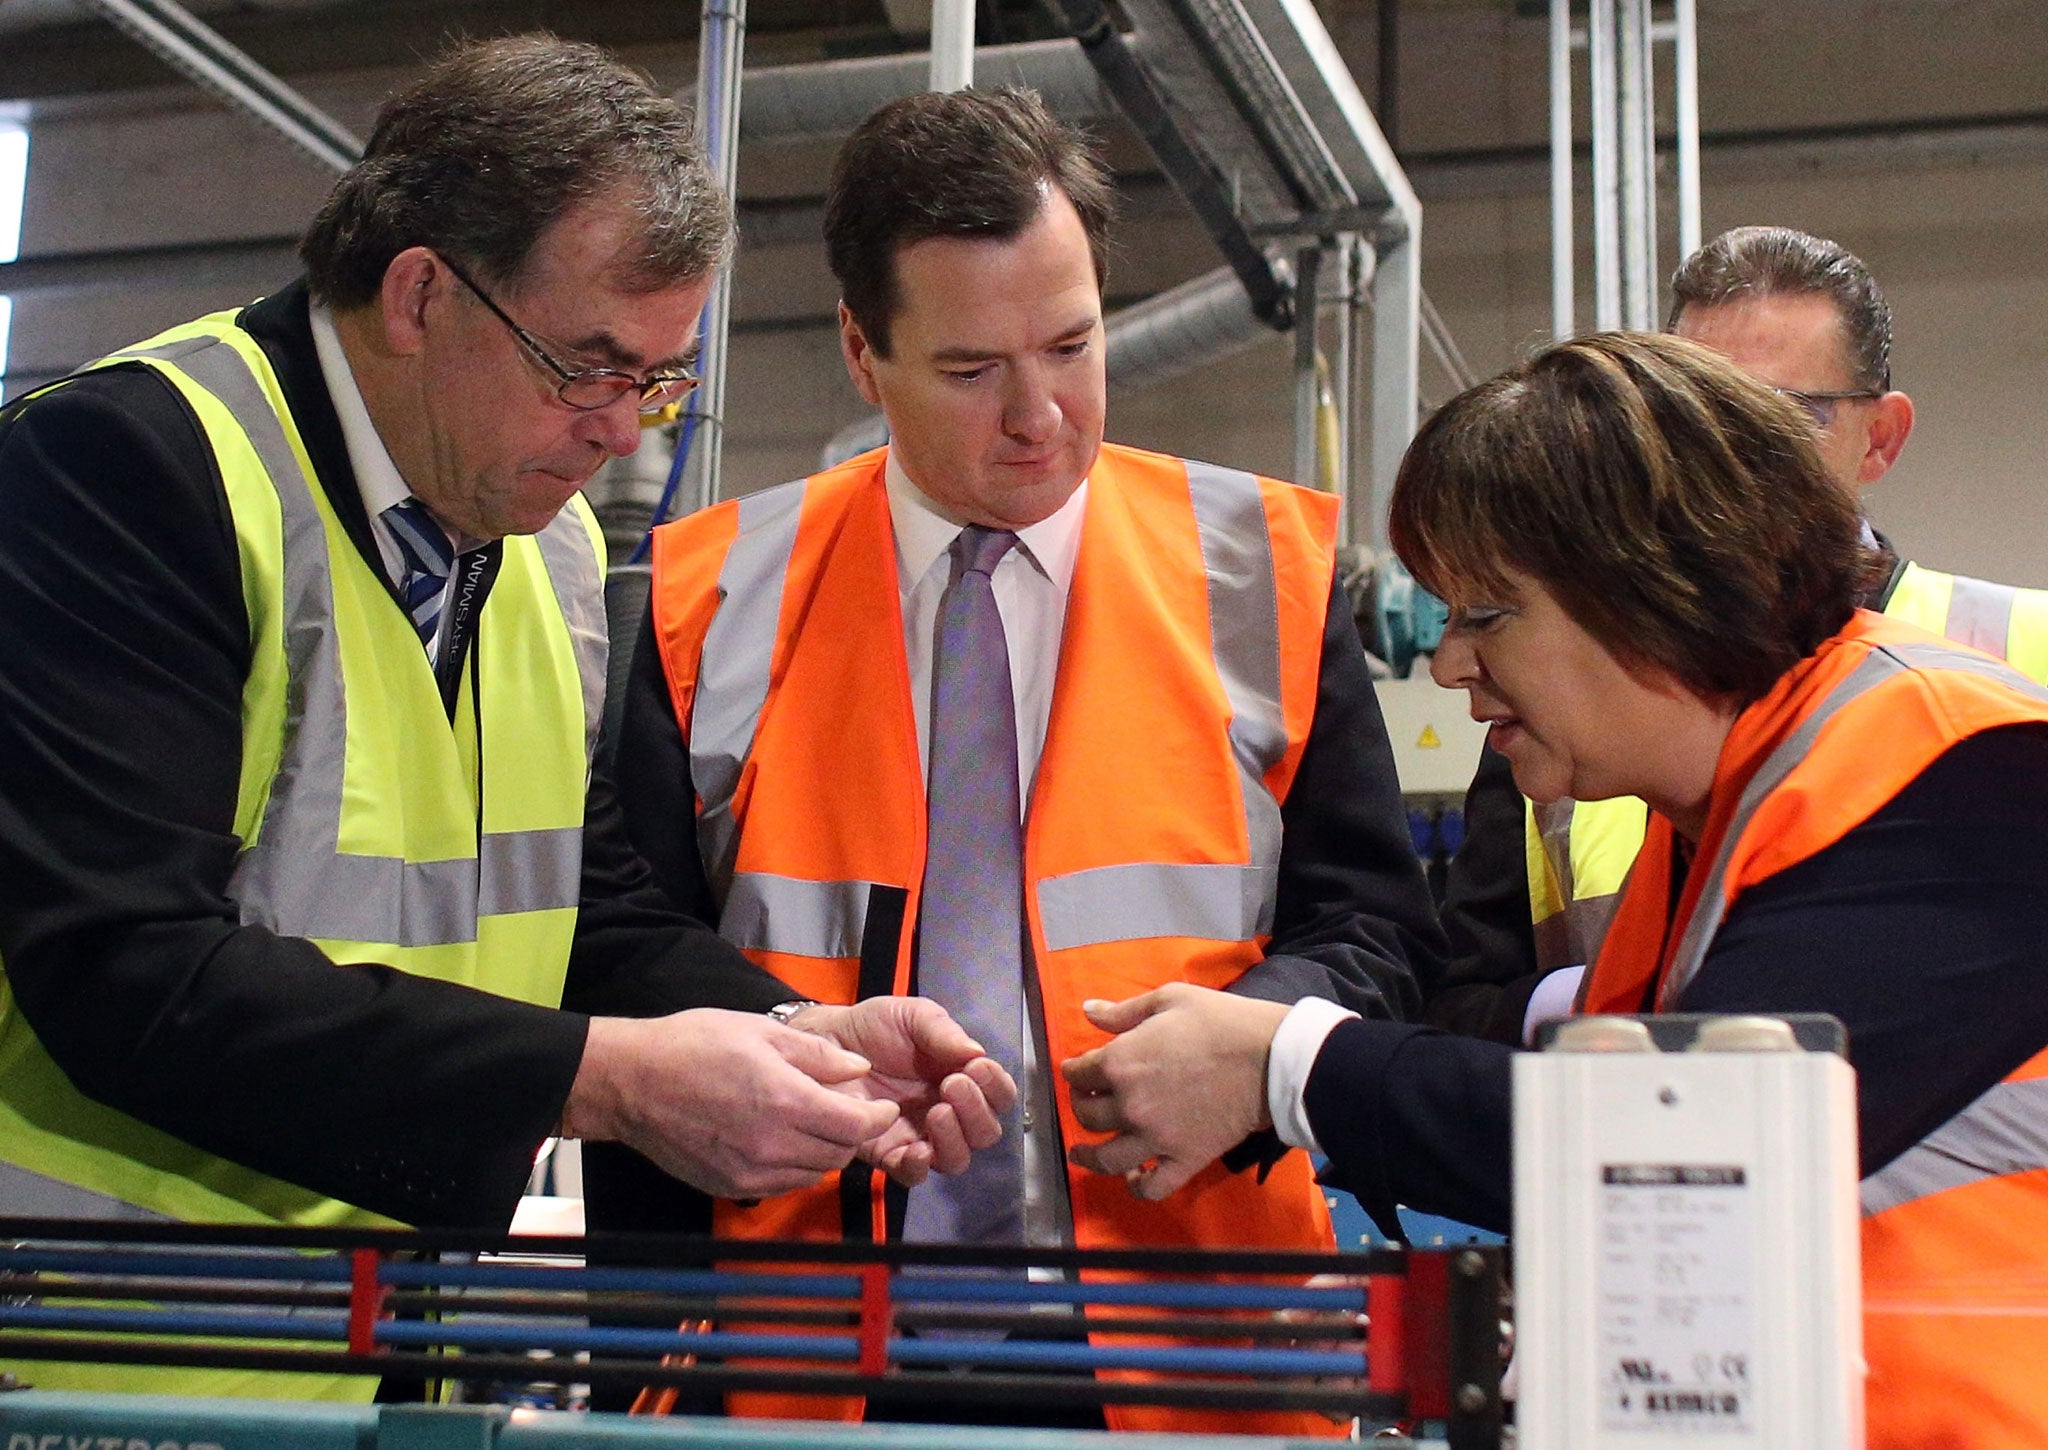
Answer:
(783, 1011)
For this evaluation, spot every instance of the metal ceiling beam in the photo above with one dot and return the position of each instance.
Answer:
(200, 54)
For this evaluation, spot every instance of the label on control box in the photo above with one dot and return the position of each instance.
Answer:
(1677, 1321)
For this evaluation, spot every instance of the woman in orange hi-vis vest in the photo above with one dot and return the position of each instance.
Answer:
(1652, 583)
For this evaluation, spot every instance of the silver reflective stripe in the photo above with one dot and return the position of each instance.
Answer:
(1587, 919)
(1883, 664)
(295, 879)
(538, 870)
(732, 674)
(1713, 902)
(1554, 830)
(1980, 614)
(2003, 1132)
(32, 1195)
(1155, 899)
(1209, 901)
(1244, 629)
(1941, 657)
(571, 561)
(801, 918)
(170, 351)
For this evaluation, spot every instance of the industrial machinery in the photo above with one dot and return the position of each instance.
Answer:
(1388, 1336)
(1686, 1231)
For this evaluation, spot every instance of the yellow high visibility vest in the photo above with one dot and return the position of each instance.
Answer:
(365, 821)
(1579, 852)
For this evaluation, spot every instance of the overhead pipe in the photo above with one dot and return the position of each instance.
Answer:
(1686, 89)
(1638, 142)
(1308, 386)
(830, 98)
(952, 61)
(721, 47)
(1089, 22)
(1606, 114)
(1563, 251)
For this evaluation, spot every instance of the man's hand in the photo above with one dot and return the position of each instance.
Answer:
(730, 1102)
(951, 1094)
(1184, 1083)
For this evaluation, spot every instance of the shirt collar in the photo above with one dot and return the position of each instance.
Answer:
(377, 477)
(924, 531)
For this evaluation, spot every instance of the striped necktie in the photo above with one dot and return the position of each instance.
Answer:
(429, 557)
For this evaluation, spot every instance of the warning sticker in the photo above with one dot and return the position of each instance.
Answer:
(1675, 1303)
(1429, 739)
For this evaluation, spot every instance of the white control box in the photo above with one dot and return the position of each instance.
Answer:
(1686, 1249)
(1436, 741)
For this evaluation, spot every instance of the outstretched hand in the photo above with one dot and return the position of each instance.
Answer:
(949, 1093)
(1182, 1084)
(729, 1102)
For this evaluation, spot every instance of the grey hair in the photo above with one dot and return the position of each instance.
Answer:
(497, 142)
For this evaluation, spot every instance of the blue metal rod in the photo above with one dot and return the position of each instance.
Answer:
(1035, 1355)
(316, 1268)
(917, 1289)
(838, 1347)
(318, 1325)
(681, 1281)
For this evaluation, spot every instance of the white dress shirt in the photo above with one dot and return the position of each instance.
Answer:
(1030, 585)
(1299, 1038)
(377, 477)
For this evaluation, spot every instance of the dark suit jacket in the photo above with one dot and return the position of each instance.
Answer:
(1922, 929)
(123, 650)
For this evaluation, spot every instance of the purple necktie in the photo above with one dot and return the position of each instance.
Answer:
(970, 931)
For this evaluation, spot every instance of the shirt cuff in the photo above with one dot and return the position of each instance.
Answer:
(1289, 1062)
(1552, 999)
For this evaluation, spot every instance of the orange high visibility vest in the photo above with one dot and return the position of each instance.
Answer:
(1955, 1295)
(1187, 684)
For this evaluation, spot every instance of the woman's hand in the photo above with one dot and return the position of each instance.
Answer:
(1183, 1083)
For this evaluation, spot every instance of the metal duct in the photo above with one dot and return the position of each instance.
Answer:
(1150, 111)
(791, 102)
(1184, 328)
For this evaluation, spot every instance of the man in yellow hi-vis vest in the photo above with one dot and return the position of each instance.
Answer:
(1531, 892)
(307, 917)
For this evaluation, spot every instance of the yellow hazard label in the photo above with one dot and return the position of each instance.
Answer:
(1430, 739)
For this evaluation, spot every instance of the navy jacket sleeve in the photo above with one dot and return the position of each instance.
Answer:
(1492, 970)
(653, 769)
(1921, 930)
(1352, 917)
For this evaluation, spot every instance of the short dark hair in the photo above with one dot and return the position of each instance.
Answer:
(1677, 509)
(951, 164)
(499, 140)
(1780, 262)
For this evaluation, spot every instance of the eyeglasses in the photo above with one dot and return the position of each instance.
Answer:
(1821, 406)
(588, 389)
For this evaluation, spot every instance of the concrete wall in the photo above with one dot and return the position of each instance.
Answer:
(1957, 245)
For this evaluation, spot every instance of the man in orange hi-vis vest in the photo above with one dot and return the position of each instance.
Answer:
(1019, 720)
